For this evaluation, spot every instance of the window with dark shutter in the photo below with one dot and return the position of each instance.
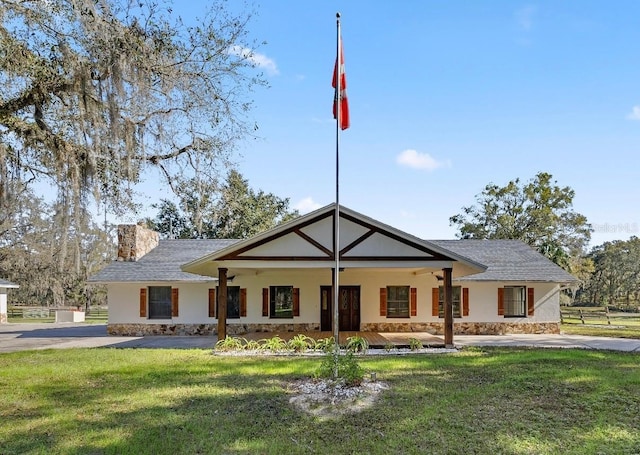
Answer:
(398, 301)
(455, 301)
(514, 301)
(281, 302)
(160, 302)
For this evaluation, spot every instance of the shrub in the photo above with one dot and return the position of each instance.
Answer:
(300, 343)
(415, 344)
(252, 345)
(348, 368)
(326, 344)
(357, 344)
(389, 346)
(229, 344)
(274, 344)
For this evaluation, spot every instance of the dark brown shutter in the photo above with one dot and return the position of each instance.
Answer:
(296, 301)
(265, 302)
(435, 297)
(383, 301)
(174, 302)
(243, 302)
(465, 301)
(414, 302)
(143, 302)
(531, 302)
(212, 302)
(500, 301)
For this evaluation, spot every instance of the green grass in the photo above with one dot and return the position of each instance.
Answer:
(119, 401)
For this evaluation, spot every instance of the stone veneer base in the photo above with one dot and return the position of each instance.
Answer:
(3, 318)
(435, 328)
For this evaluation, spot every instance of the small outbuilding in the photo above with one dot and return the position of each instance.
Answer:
(4, 285)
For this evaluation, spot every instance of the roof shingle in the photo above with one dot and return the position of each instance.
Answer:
(507, 260)
(162, 263)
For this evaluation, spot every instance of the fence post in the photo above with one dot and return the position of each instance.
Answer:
(581, 316)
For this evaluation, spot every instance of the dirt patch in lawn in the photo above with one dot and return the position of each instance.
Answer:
(327, 399)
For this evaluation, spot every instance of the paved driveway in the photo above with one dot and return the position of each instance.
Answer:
(20, 337)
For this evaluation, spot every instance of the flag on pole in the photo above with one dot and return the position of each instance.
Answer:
(340, 99)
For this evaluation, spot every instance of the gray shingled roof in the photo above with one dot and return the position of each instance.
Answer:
(7, 284)
(162, 263)
(507, 260)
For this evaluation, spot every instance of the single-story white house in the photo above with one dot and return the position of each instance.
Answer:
(281, 280)
(4, 285)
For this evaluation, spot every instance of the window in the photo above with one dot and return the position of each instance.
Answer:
(515, 301)
(233, 302)
(455, 300)
(397, 301)
(159, 302)
(281, 301)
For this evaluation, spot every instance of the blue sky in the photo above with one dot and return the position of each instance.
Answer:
(446, 97)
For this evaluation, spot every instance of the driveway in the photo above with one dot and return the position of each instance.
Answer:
(21, 337)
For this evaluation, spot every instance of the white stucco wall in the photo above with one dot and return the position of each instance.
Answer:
(193, 298)
(3, 301)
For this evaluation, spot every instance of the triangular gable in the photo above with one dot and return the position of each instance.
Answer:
(289, 245)
(307, 242)
(379, 245)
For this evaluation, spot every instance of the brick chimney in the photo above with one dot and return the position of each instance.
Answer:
(134, 241)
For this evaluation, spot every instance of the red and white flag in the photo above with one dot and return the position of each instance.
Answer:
(341, 95)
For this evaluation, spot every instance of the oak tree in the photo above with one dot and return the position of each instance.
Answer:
(538, 212)
(95, 92)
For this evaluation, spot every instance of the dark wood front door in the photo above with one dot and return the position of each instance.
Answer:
(348, 309)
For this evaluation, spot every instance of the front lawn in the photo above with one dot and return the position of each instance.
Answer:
(122, 401)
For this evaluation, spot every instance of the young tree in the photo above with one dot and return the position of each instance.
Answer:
(96, 92)
(539, 213)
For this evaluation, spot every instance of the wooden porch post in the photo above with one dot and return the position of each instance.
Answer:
(448, 308)
(222, 303)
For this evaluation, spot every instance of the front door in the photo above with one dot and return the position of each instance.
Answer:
(348, 309)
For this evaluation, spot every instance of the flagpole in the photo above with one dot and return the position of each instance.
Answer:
(336, 216)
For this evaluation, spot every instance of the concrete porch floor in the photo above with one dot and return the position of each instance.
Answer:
(375, 339)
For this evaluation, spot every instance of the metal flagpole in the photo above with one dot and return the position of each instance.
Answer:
(336, 216)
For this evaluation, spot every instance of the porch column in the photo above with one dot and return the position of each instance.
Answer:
(222, 303)
(448, 308)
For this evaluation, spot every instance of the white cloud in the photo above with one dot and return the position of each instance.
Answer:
(524, 17)
(259, 60)
(635, 113)
(307, 205)
(423, 161)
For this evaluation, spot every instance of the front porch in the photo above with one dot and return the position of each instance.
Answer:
(375, 339)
